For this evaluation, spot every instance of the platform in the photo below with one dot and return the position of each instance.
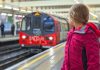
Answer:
(50, 59)
(8, 38)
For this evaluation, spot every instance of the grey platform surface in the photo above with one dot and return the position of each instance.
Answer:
(50, 59)
(8, 38)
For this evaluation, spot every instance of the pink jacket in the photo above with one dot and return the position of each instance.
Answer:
(81, 50)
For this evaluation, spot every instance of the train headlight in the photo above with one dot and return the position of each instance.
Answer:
(50, 38)
(22, 45)
(23, 36)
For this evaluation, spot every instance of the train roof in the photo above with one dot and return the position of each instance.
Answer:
(60, 19)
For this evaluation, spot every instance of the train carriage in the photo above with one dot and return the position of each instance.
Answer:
(41, 29)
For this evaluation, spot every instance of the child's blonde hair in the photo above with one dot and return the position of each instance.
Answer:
(79, 13)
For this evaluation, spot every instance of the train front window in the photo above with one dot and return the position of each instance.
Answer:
(25, 24)
(37, 22)
(23, 27)
(48, 26)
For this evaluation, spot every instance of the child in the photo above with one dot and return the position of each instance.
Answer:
(82, 47)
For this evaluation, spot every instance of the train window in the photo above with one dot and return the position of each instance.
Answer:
(66, 27)
(23, 27)
(37, 22)
(28, 24)
(49, 26)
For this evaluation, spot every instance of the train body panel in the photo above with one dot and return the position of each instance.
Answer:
(37, 40)
(40, 29)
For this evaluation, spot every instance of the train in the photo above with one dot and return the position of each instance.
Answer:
(42, 30)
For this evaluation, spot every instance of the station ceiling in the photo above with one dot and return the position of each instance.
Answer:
(51, 6)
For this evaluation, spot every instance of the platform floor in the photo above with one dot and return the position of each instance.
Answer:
(8, 38)
(50, 59)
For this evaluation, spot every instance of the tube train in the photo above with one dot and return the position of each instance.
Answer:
(41, 29)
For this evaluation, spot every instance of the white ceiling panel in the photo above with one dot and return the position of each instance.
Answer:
(91, 1)
(43, 3)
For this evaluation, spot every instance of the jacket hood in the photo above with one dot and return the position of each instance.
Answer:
(94, 28)
(89, 27)
(81, 31)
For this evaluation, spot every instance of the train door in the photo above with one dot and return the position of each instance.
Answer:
(58, 29)
(36, 25)
(64, 29)
(61, 32)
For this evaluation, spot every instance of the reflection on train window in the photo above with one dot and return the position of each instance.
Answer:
(66, 27)
(49, 26)
(37, 22)
(23, 25)
(26, 24)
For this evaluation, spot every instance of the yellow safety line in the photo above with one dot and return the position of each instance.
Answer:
(37, 59)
